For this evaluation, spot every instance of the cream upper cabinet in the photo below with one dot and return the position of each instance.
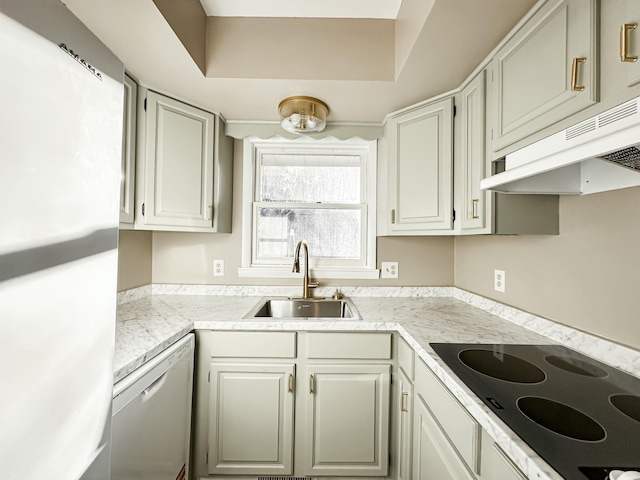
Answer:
(128, 165)
(630, 42)
(178, 174)
(474, 204)
(546, 72)
(347, 420)
(184, 167)
(619, 51)
(419, 189)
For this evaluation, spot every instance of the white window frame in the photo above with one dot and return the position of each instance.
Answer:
(253, 149)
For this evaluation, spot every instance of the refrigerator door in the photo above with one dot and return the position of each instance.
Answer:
(61, 101)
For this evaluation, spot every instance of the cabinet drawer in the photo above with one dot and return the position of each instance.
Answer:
(349, 345)
(253, 344)
(406, 358)
(460, 427)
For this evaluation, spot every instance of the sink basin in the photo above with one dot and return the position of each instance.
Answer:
(281, 307)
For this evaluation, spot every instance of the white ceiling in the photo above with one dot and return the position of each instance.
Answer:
(456, 36)
(303, 8)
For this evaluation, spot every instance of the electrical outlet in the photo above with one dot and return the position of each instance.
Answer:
(499, 280)
(218, 268)
(389, 269)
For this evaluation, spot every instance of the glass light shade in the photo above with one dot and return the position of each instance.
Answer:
(303, 114)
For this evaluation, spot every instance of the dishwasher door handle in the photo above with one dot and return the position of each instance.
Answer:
(155, 387)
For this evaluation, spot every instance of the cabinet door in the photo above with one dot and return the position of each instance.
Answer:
(251, 418)
(404, 402)
(630, 42)
(475, 207)
(178, 180)
(539, 76)
(420, 170)
(433, 455)
(347, 420)
(127, 167)
(495, 463)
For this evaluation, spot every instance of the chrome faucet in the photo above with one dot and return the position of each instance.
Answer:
(306, 285)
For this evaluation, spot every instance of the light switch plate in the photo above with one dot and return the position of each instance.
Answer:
(389, 269)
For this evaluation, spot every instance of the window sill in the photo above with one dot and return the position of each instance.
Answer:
(315, 273)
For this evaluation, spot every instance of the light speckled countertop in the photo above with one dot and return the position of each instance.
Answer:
(165, 313)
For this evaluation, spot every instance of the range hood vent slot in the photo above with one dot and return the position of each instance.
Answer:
(616, 114)
(581, 129)
(599, 154)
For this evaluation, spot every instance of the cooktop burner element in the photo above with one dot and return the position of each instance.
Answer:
(580, 415)
(561, 419)
(578, 367)
(503, 367)
(627, 404)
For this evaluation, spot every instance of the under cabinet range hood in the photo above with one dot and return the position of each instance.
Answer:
(599, 154)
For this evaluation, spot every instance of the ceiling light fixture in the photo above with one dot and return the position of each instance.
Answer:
(303, 114)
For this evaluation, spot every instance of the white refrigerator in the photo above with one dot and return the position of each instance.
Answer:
(61, 104)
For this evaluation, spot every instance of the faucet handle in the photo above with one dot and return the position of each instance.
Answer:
(313, 284)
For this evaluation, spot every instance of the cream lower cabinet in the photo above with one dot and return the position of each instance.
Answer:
(446, 439)
(252, 424)
(292, 403)
(448, 443)
(495, 464)
(404, 428)
(433, 454)
(347, 414)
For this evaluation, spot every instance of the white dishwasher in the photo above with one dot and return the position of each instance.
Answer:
(152, 417)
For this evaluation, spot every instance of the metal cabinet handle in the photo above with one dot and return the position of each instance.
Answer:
(403, 401)
(312, 386)
(209, 215)
(474, 208)
(393, 216)
(574, 74)
(624, 33)
(290, 382)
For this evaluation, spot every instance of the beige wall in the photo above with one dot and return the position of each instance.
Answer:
(586, 277)
(187, 258)
(134, 259)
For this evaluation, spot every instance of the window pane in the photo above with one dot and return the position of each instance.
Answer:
(310, 179)
(333, 234)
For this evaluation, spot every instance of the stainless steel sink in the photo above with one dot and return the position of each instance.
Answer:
(282, 307)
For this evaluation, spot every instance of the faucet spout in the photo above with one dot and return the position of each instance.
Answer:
(306, 284)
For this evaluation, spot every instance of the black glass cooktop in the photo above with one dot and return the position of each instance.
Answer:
(580, 415)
